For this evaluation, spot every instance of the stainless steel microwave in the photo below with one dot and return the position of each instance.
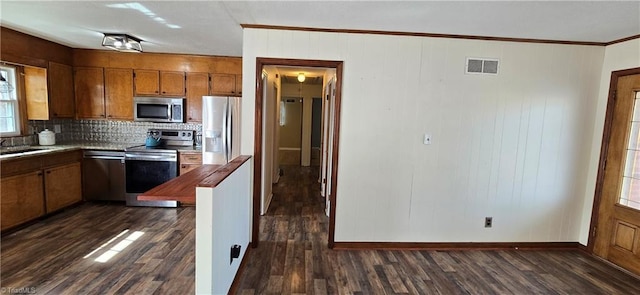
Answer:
(158, 109)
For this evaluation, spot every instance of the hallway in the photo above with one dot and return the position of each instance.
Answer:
(293, 258)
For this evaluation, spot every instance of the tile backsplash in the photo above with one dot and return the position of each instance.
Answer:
(95, 131)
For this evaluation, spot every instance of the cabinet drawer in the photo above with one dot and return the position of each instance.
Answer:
(189, 158)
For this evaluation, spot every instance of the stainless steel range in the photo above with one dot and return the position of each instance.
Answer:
(155, 163)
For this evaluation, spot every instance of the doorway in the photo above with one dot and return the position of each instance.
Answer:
(615, 224)
(261, 63)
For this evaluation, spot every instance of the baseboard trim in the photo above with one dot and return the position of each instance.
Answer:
(243, 264)
(456, 246)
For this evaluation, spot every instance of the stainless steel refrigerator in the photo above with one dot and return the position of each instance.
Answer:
(220, 129)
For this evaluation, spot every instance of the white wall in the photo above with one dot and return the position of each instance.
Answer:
(221, 222)
(513, 146)
(619, 56)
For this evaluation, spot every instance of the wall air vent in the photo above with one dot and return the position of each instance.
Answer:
(481, 66)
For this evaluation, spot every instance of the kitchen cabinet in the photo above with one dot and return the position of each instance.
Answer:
(197, 87)
(147, 82)
(35, 185)
(189, 161)
(37, 98)
(62, 186)
(118, 92)
(172, 83)
(89, 92)
(61, 98)
(226, 84)
(22, 199)
(165, 83)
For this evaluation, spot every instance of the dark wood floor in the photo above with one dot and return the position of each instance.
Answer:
(49, 256)
(293, 259)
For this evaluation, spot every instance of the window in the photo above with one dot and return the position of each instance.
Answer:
(9, 111)
(630, 194)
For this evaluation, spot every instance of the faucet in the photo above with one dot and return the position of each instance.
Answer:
(2, 142)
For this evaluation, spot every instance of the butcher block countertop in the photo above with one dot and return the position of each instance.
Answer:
(183, 187)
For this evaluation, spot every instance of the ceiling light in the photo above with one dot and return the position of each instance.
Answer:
(301, 77)
(122, 42)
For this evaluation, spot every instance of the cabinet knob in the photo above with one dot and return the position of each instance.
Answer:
(48, 172)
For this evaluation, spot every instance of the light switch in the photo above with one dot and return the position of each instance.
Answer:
(56, 128)
(427, 138)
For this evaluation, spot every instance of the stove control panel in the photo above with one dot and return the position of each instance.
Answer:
(175, 137)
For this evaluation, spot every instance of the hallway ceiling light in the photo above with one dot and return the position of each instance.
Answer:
(301, 77)
(122, 42)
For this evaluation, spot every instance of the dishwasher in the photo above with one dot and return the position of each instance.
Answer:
(103, 175)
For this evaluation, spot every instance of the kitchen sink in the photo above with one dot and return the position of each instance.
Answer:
(11, 152)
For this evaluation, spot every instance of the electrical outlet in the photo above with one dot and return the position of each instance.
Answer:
(488, 222)
(57, 128)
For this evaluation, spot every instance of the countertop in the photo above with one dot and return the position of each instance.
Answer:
(69, 146)
(183, 187)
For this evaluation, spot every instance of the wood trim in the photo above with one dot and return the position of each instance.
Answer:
(415, 34)
(457, 246)
(622, 40)
(221, 173)
(233, 289)
(334, 159)
(606, 134)
(257, 148)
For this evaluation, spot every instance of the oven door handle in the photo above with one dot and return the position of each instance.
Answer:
(131, 157)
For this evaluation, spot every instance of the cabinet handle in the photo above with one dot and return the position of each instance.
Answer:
(48, 172)
(184, 166)
(39, 174)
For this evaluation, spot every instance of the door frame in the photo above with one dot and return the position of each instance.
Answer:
(257, 150)
(606, 136)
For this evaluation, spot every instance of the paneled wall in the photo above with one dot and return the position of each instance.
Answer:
(619, 56)
(513, 146)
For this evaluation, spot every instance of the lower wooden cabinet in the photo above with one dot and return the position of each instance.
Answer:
(34, 186)
(22, 199)
(189, 161)
(62, 186)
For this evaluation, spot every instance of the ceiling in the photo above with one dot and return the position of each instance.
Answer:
(214, 27)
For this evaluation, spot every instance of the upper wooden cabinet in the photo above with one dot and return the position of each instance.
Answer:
(147, 82)
(118, 93)
(172, 83)
(197, 87)
(226, 84)
(37, 97)
(89, 90)
(239, 85)
(165, 83)
(61, 99)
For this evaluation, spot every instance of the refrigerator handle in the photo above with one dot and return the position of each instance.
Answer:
(224, 132)
(229, 129)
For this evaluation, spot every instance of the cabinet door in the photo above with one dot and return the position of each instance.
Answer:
(147, 82)
(118, 92)
(223, 84)
(22, 199)
(172, 83)
(37, 97)
(63, 186)
(197, 87)
(239, 85)
(89, 91)
(61, 102)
